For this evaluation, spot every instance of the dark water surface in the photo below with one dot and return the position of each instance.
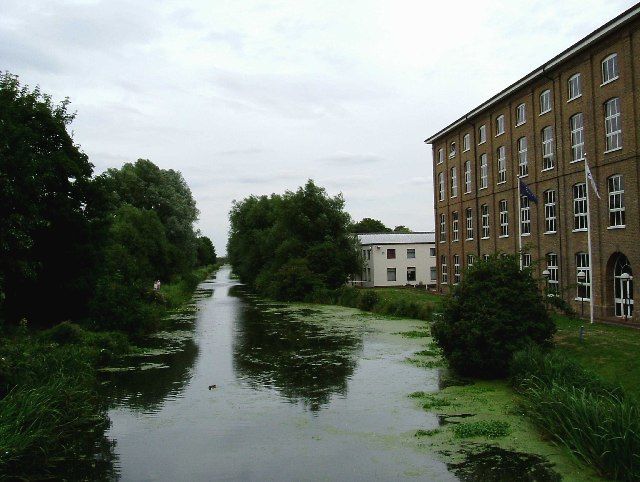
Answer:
(302, 394)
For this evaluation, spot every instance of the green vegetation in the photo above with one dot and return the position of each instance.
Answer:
(482, 428)
(427, 433)
(369, 225)
(493, 312)
(289, 246)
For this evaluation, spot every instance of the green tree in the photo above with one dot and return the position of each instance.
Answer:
(401, 229)
(206, 251)
(48, 222)
(369, 225)
(496, 310)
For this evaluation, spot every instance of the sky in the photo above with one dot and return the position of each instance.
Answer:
(256, 97)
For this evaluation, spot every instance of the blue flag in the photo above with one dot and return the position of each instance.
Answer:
(526, 192)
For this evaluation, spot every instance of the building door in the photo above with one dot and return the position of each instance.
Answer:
(623, 287)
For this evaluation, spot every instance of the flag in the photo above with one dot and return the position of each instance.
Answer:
(526, 192)
(590, 177)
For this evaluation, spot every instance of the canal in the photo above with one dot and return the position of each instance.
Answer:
(301, 393)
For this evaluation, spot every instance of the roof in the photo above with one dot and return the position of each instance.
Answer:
(397, 238)
(541, 71)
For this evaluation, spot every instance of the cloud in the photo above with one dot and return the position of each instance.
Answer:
(345, 158)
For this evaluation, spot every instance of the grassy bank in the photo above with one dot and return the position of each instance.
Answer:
(49, 408)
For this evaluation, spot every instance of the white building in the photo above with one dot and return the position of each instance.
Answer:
(398, 259)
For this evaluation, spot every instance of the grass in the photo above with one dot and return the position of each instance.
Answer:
(482, 428)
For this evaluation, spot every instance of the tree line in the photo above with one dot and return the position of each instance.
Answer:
(80, 246)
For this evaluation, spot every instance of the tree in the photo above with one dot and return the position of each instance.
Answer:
(48, 224)
(206, 251)
(401, 229)
(496, 310)
(369, 225)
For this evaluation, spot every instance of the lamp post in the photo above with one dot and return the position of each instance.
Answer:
(545, 275)
(626, 300)
(581, 278)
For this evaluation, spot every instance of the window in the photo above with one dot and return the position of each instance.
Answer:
(411, 253)
(467, 177)
(391, 274)
(584, 285)
(452, 150)
(610, 69)
(616, 201)
(391, 254)
(526, 260)
(521, 117)
(502, 164)
(525, 216)
(612, 124)
(550, 215)
(369, 254)
(454, 226)
(456, 269)
(440, 156)
(580, 207)
(547, 148)
(523, 162)
(499, 125)
(454, 182)
(484, 210)
(469, 223)
(576, 123)
(369, 274)
(434, 273)
(486, 257)
(484, 172)
(444, 271)
(504, 219)
(470, 260)
(411, 273)
(432, 252)
(482, 134)
(552, 267)
(575, 86)
(443, 228)
(441, 192)
(466, 142)
(545, 102)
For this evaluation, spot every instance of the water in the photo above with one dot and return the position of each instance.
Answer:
(302, 394)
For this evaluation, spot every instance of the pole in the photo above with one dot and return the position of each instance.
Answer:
(591, 277)
(519, 224)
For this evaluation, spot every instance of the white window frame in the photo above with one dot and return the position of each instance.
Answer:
(574, 86)
(610, 69)
(440, 155)
(456, 269)
(486, 227)
(523, 161)
(392, 271)
(470, 260)
(433, 273)
(444, 272)
(484, 171)
(582, 264)
(552, 267)
(501, 154)
(466, 142)
(615, 186)
(455, 226)
(504, 218)
(412, 251)
(525, 216)
(468, 214)
(576, 125)
(612, 125)
(550, 212)
(521, 114)
(482, 134)
(467, 177)
(452, 150)
(580, 221)
(441, 187)
(500, 125)
(454, 182)
(545, 102)
(432, 251)
(443, 228)
(526, 260)
(548, 157)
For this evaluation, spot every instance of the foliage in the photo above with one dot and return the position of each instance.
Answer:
(596, 420)
(206, 252)
(402, 229)
(368, 300)
(369, 225)
(482, 428)
(496, 310)
(287, 246)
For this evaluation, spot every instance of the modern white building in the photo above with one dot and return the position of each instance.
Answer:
(398, 259)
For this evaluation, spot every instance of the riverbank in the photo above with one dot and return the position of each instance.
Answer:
(50, 412)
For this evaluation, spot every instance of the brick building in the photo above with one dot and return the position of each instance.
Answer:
(582, 103)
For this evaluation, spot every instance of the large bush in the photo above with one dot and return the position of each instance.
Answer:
(496, 310)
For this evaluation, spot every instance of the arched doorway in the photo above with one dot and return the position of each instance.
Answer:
(623, 287)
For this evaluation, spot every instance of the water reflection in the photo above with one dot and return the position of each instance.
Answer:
(305, 361)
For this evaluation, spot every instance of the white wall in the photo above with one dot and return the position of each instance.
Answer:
(423, 262)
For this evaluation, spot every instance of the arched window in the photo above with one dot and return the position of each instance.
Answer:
(623, 286)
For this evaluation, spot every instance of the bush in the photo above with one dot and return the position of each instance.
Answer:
(495, 311)
(63, 333)
(368, 300)
(291, 282)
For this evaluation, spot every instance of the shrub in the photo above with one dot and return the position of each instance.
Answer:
(63, 333)
(496, 310)
(368, 299)
(291, 282)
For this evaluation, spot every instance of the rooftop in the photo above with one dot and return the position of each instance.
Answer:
(397, 238)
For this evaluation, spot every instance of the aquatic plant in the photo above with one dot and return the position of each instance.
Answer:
(482, 428)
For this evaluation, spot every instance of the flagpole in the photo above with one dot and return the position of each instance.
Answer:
(519, 224)
(591, 277)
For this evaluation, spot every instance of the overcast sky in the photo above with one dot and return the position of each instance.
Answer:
(256, 97)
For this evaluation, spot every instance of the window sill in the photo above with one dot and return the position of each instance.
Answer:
(617, 227)
(549, 232)
(525, 234)
(581, 230)
(503, 236)
(452, 197)
(545, 112)
(466, 150)
(523, 175)
(501, 182)
(576, 160)
(521, 123)
(483, 188)
(613, 150)
(469, 239)
(467, 192)
(499, 134)
(442, 242)
(486, 238)
(482, 142)
(582, 299)
(574, 98)
(609, 81)
(547, 169)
